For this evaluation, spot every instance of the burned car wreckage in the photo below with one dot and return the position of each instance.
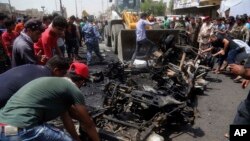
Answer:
(131, 104)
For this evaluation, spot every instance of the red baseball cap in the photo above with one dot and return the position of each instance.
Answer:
(80, 69)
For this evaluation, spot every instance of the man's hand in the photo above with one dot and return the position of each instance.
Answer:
(80, 113)
(222, 52)
(245, 83)
(237, 69)
(41, 58)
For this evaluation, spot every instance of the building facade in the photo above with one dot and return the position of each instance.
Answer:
(196, 7)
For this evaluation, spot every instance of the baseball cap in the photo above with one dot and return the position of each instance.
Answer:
(34, 24)
(206, 18)
(80, 69)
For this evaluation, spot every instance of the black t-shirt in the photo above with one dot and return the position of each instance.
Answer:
(219, 43)
(12, 80)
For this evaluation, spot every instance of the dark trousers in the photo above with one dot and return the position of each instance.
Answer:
(242, 116)
(93, 47)
(139, 44)
(232, 53)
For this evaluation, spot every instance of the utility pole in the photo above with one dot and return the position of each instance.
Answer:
(10, 8)
(76, 8)
(43, 9)
(102, 6)
(56, 5)
(61, 8)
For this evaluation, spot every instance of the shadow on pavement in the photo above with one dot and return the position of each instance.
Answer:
(177, 130)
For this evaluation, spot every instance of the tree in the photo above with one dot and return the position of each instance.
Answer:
(153, 7)
(171, 5)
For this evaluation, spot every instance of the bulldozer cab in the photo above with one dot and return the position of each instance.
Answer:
(128, 5)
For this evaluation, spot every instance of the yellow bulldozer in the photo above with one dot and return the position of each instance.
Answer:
(119, 33)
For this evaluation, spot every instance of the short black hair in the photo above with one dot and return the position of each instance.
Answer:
(74, 77)
(9, 22)
(59, 21)
(144, 15)
(54, 14)
(2, 16)
(58, 62)
(72, 17)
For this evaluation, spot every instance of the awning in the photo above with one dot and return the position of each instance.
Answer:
(205, 6)
(237, 7)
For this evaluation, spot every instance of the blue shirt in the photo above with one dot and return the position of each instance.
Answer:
(248, 25)
(12, 80)
(91, 33)
(141, 30)
(23, 51)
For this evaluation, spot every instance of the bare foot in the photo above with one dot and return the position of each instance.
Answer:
(226, 135)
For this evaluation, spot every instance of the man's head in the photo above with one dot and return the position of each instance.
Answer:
(72, 19)
(47, 19)
(85, 19)
(207, 19)
(212, 38)
(34, 28)
(9, 24)
(192, 20)
(240, 20)
(219, 21)
(144, 16)
(78, 73)
(58, 65)
(198, 20)
(59, 25)
(91, 19)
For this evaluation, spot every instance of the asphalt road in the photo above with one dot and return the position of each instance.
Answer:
(216, 109)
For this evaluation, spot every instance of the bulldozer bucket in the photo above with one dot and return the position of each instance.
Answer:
(127, 41)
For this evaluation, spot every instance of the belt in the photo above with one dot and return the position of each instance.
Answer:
(9, 130)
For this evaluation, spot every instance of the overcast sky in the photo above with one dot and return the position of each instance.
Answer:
(91, 6)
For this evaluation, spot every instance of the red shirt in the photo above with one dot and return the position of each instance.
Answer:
(7, 40)
(19, 27)
(46, 43)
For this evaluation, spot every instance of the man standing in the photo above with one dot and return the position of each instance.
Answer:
(166, 23)
(230, 48)
(47, 44)
(92, 37)
(141, 38)
(23, 50)
(45, 99)
(13, 79)
(242, 116)
(8, 37)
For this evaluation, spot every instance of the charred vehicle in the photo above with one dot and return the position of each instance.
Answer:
(129, 106)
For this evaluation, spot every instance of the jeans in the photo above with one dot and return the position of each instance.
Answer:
(232, 53)
(93, 47)
(141, 43)
(242, 116)
(42, 132)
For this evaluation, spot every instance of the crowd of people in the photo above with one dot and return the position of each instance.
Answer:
(36, 54)
(43, 38)
(226, 40)
(40, 81)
